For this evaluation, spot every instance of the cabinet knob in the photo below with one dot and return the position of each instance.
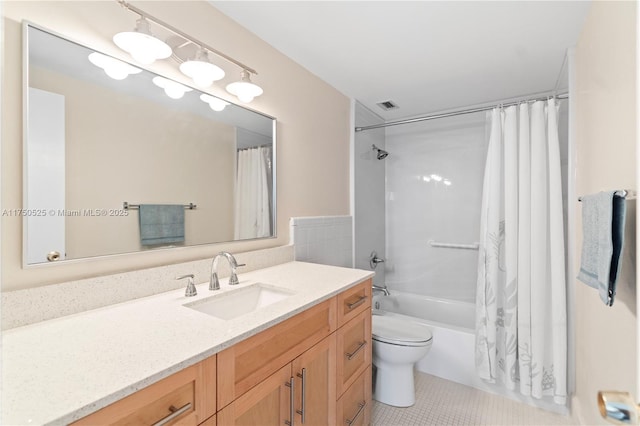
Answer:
(52, 256)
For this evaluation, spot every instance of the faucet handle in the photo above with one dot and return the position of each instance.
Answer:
(191, 287)
(233, 279)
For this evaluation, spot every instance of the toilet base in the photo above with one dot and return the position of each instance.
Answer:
(394, 384)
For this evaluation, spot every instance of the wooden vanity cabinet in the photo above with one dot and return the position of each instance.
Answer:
(324, 357)
(186, 398)
(313, 369)
(245, 364)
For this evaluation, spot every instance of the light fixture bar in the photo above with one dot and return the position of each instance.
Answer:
(176, 31)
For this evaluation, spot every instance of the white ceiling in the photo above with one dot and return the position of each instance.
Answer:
(426, 56)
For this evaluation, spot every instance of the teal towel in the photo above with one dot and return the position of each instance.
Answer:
(603, 221)
(161, 224)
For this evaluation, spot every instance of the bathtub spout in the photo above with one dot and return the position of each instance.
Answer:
(384, 289)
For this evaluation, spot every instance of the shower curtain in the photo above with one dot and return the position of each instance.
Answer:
(521, 338)
(252, 204)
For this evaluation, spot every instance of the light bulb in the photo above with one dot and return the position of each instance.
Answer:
(243, 97)
(201, 71)
(113, 67)
(174, 92)
(116, 73)
(215, 104)
(143, 57)
(172, 89)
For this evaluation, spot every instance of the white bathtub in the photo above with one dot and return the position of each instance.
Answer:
(453, 326)
(452, 353)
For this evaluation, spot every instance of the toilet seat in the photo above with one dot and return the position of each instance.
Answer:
(395, 331)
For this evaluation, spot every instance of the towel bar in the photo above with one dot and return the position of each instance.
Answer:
(624, 193)
(128, 206)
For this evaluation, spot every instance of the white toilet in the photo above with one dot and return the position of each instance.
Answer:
(397, 345)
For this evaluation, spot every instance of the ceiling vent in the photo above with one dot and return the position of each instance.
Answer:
(387, 105)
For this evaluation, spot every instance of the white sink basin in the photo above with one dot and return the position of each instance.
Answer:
(235, 303)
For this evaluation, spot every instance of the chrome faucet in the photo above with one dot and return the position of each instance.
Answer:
(214, 283)
(383, 289)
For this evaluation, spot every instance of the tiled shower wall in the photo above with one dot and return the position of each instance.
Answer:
(368, 193)
(323, 239)
(434, 177)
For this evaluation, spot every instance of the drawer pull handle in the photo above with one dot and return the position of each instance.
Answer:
(357, 303)
(360, 409)
(358, 349)
(302, 411)
(292, 409)
(175, 412)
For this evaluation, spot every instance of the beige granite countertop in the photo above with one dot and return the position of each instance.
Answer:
(57, 371)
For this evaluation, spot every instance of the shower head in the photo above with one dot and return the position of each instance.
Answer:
(382, 154)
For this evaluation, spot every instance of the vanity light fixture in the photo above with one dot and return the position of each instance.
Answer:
(244, 89)
(200, 69)
(173, 89)
(141, 44)
(215, 104)
(113, 67)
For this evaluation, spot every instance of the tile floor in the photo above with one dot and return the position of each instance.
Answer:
(442, 402)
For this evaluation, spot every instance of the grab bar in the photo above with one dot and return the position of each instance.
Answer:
(473, 246)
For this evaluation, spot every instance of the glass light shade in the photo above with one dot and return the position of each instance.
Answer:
(173, 89)
(244, 89)
(113, 67)
(201, 71)
(214, 103)
(141, 45)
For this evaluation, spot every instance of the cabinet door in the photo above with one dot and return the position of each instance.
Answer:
(266, 404)
(315, 390)
(245, 364)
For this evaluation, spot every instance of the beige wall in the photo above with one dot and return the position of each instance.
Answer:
(158, 156)
(606, 159)
(313, 118)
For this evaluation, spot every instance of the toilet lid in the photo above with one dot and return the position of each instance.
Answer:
(400, 332)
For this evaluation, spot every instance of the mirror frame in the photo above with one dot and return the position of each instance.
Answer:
(26, 24)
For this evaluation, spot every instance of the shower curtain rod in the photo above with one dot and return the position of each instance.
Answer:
(454, 113)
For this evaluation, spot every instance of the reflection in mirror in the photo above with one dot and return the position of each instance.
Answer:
(100, 132)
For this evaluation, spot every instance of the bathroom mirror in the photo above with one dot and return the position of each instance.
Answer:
(99, 149)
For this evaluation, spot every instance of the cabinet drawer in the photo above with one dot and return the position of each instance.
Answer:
(354, 301)
(354, 407)
(249, 362)
(180, 398)
(353, 350)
